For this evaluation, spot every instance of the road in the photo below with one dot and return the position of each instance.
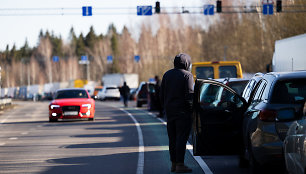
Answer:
(120, 140)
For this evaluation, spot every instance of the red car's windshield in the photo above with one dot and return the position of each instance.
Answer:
(71, 94)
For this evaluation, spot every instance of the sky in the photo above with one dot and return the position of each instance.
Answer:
(23, 19)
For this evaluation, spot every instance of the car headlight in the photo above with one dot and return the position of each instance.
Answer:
(86, 106)
(54, 106)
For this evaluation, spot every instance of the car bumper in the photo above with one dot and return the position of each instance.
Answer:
(270, 153)
(58, 114)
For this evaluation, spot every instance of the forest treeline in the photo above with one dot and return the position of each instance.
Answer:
(248, 38)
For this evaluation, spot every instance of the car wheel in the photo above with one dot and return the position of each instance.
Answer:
(52, 120)
(139, 104)
(91, 119)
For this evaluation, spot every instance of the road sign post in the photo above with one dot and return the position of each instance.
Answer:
(137, 58)
(109, 59)
(84, 61)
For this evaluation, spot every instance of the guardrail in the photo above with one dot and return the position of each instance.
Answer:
(5, 102)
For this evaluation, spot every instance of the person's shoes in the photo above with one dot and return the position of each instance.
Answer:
(181, 168)
(173, 166)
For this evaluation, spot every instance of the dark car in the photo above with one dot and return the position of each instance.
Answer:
(295, 144)
(143, 92)
(225, 123)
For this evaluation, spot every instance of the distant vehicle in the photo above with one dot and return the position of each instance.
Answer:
(109, 92)
(143, 92)
(96, 91)
(133, 94)
(295, 144)
(216, 70)
(255, 129)
(71, 104)
(289, 54)
(132, 80)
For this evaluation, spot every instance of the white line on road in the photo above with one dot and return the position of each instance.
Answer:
(140, 165)
(24, 133)
(2, 144)
(200, 161)
(13, 138)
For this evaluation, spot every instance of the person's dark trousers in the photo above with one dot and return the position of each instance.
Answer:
(125, 101)
(178, 133)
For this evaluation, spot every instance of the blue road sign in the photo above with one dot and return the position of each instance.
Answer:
(144, 10)
(109, 59)
(84, 58)
(267, 9)
(137, 58)
(209, 9)
(87, 11)
(55, 58)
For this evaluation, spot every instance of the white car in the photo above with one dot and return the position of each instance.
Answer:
(109, 92)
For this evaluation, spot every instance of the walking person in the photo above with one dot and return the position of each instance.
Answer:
(176, 98)
(125, 93)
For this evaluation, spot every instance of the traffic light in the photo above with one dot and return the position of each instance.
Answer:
(278, 5)
(219, 6)
(157, 7)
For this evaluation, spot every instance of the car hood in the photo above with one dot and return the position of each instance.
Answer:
(71, 101)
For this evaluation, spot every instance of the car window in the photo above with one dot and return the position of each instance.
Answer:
(238, 86)
(259, 91)
(71, 94)
(247, 91)
(204, 72)
(227, 71)
(217, 97)
(292, 91)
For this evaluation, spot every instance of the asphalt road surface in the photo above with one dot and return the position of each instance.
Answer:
(120, 140)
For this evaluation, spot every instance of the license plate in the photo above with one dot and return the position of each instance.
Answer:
(71, 113)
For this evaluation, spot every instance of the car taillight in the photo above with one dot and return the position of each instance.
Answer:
(267, 115)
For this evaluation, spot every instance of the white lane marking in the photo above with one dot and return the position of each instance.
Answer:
(2, 144)
(200, 161)
(13, 138)
(140, 165)
(24, 133)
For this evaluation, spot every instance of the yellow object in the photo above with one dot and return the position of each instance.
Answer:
(216, 69)
(80, 83)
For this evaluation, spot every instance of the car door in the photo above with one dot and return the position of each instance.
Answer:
(217, 119)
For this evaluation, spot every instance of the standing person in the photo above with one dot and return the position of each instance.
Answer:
(176, 98)
(125, 92)
(157, 99)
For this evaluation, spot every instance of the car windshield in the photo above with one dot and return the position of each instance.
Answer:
(71, 94)
(238, 86)
(289, 91)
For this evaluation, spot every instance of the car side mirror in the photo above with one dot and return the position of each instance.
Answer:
(286, 114)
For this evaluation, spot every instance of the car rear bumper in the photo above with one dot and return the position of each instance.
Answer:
(270, 153)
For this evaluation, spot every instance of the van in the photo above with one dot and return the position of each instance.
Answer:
(216, 70)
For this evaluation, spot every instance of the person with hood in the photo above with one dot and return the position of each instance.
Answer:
(176, 96)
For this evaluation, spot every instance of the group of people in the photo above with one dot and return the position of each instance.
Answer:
(174, 95)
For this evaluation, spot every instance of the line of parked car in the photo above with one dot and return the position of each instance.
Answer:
(262, 120)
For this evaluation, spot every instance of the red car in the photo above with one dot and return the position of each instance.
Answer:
(71, 104)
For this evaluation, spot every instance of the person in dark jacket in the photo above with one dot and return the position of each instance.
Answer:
(157, 98)
(125, 92)
(176, 96)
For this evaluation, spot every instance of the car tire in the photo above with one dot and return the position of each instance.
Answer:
(52, 120)
(91, 119)
(139, 104)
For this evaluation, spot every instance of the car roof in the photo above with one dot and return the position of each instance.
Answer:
(288, 75)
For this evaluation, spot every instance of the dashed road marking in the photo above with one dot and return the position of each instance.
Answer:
(13, 138)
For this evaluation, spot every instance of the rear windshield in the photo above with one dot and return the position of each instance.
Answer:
(204, 72)
(238, 86)
(71, 94)
(289, 91)
(227, 71)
